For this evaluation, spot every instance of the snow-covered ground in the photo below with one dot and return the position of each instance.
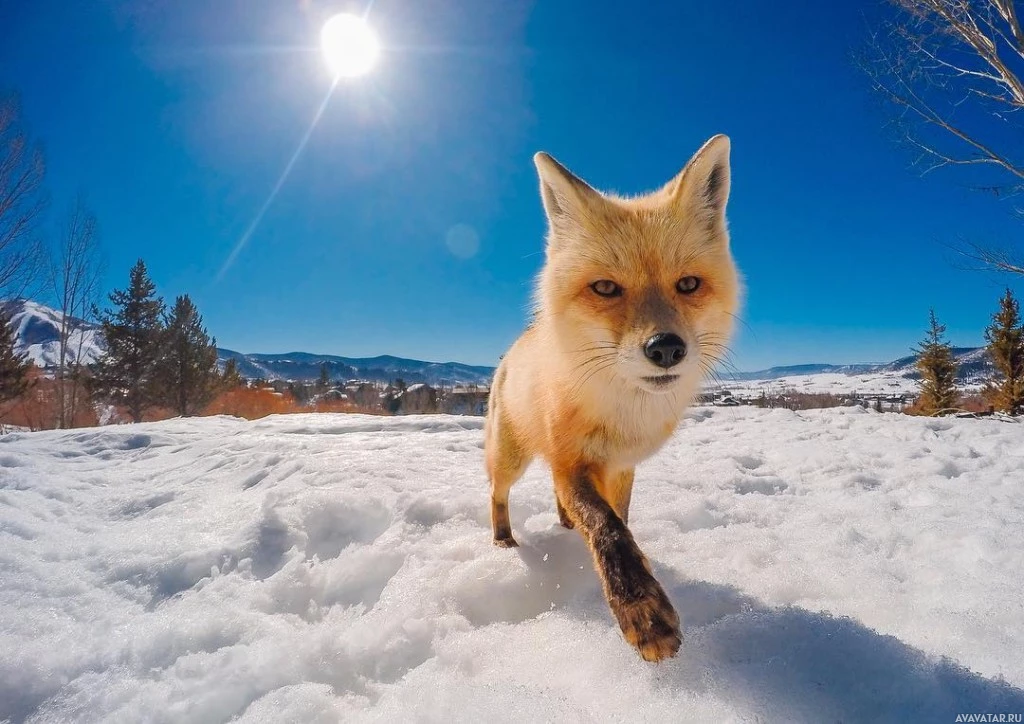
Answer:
(833, 565)
(894, 378)
(837, 383)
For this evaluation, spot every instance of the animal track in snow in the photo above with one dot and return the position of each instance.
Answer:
(767, 485)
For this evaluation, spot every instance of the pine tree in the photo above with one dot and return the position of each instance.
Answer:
(231, 378)
(14, 367)
(187, 375)
(1005, 337)
(325, 378)
(938, 370)
(133, 333)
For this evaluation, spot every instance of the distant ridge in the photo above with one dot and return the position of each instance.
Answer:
(38, 326)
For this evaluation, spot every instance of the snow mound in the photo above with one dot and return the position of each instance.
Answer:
(828, 565)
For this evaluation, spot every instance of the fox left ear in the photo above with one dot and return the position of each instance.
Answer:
(704, 182)
(567, 198)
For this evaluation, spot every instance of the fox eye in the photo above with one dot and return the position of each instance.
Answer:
(606, 288)
(688, 285)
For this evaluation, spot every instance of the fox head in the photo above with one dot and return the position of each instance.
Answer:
(643, 290)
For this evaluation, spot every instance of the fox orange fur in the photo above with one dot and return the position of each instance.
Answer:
(634, 304)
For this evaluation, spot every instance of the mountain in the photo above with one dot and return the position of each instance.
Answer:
(895, 378)
(38, 329)
(385, 368)
(796, 370)
(973, 361)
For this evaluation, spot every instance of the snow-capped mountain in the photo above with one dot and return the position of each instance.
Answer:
(37, 328)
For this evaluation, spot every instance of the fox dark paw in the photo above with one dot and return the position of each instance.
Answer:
(507, 542)
(651, 625)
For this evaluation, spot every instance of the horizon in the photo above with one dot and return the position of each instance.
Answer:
(409, 223)
(721, 373)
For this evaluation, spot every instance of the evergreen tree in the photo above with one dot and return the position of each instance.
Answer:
(301, 392)
(938, 370)
(14, 367)
(1005, 337)
(231, 378)
(133, 334)
(325, 378)
(187, 375)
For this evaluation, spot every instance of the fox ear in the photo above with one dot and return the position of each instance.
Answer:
(704, 183)
(566, 197)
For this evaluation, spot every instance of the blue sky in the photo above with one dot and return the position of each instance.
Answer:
(176, 119)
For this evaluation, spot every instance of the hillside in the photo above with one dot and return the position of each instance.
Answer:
(835, 565)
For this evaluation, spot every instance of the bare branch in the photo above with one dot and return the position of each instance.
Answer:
(75, 271)
(1008, 11)
(22, 202)
(954, 72)
(994, 259)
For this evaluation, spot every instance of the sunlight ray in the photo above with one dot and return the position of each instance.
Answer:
(244, 240)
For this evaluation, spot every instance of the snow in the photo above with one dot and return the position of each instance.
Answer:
(894, 378)
(829, 565)
(883, 382)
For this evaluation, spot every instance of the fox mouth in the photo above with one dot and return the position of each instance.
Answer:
(661, 380)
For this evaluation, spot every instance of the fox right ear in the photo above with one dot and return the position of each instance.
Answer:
(566, 197)
(703, 186)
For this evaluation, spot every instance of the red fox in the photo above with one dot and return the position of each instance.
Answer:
(634, 304)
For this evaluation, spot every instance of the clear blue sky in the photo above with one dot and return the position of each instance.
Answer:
(176, 120)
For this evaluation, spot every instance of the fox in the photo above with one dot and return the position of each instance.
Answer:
(634, 305)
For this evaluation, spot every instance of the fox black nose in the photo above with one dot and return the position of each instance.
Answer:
(665, 350)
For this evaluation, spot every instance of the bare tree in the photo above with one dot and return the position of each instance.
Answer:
(22, 201)
(75, 271)
(954, 70)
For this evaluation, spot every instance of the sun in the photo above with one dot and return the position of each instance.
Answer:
(350, 46)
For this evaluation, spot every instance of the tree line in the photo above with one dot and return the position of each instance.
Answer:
(155, 357)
